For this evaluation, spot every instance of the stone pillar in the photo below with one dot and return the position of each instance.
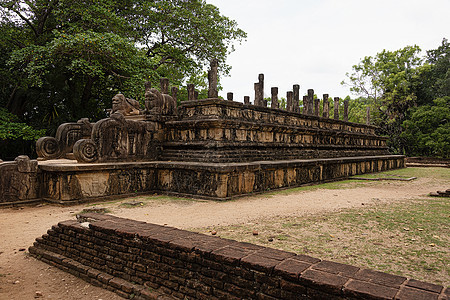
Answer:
(174, 93)
(212, 79)
(247, 100)
(164, 82)
(230, 96)
(368, 115)
(296, 89)
(261, 90)
(310, 102)
(305, 105)
(316, 107)
(256, 101)
(346, 110)
(191, 91)
(326, 106)
(336, 108)
(289, 100)
(274, 99)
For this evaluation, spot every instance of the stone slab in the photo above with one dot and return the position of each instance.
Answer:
(67, 180)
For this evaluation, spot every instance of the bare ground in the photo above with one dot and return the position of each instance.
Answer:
(23, 277)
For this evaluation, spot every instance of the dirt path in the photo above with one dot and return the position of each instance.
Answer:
(22, 277)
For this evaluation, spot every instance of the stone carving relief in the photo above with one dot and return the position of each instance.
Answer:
(116, 138)
(18, 179)
(125, 106)
(66, 135)
(160, 104)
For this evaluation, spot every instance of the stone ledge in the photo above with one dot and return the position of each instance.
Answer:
(71, 166)
(223, 103)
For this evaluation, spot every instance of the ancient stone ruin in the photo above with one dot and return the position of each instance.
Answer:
(138, 260)
(209, 148)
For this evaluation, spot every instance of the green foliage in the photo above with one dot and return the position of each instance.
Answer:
(427, 132)
(62, 60)
(281, 102)
(12, 129)
(439, 59)
(357, 110)
(393, 84)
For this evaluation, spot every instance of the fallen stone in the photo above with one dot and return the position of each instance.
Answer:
(99, 210)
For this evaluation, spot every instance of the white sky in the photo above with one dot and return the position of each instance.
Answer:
(315, 42)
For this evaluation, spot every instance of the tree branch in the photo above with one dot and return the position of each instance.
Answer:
(23, 18)
(118, 75)
(45, 16)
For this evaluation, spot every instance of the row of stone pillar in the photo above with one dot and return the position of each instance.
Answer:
(311, 106)
(164, 89)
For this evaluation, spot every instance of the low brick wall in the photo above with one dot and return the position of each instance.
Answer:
(148, 261)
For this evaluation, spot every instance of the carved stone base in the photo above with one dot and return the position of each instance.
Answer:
(71, 181)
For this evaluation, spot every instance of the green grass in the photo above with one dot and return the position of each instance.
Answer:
(333, 185)
(436, 173)
(409, 239)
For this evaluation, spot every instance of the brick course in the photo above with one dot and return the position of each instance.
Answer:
(160, 262)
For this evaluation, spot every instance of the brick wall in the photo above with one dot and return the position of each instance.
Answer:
(148, 261)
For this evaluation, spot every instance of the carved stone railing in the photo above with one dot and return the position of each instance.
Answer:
(62, 144)
(117, 139)
(19, 180)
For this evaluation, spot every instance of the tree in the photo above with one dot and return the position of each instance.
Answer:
(427, 132)
(11, 129)
(62, 60)
(357, 109)
(438, 84)
(386, 80)
(78, 53)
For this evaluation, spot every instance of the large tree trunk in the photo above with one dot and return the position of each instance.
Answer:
(86, 96)
(16, 102)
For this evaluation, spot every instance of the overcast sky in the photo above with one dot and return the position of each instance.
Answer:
(315, 42)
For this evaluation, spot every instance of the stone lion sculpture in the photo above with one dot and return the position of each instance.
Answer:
(125, 106)
(157, 103)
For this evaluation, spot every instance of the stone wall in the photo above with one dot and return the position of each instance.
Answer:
(148, 261)
(19, 180)
(210, 148)
(214, 130)
(68, 182)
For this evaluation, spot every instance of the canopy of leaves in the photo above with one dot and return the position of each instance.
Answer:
(387, 80)
(427, 132)
(395, 83)
(63, 60)
(11, 128)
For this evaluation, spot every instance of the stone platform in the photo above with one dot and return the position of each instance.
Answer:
(209, 148)
(68, 181)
